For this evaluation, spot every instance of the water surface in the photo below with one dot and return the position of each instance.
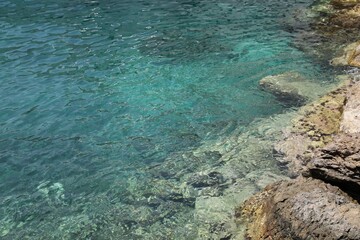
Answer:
(95, 92)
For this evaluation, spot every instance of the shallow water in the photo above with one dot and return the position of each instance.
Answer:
(96, 95)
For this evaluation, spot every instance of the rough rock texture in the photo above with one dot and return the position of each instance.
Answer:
(291, 87)
(350, 122)
(339, 163)
(347, 18)
(350, 55)
(314, 128)
(344, 3)
(301, 209)
(331, 26)
(321, 149)
(321, 119)
(340, 15)
(323, 144)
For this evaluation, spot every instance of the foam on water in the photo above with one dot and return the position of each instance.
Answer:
(109, 109)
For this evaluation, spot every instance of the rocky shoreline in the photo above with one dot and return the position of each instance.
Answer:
(321, 148)
(312, 166)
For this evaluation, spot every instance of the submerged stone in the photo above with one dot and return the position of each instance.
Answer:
(332, 25)
(291, 87)
(343, 15)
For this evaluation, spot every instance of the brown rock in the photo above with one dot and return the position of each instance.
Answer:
(347, 18)
(336, 23)
(349, 57)
(301, 209)
(314, 128)
(339, 163)
(344, 3)
(350, 122)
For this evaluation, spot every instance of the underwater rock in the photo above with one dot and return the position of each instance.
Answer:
(339, 163)
(53, 193)
(301, 209)
(332, 24)
(351, 55)
(215, 215)
(202, 180)
(291, 87)
(322, 6)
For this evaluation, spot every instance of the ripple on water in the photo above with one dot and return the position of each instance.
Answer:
(128, 119)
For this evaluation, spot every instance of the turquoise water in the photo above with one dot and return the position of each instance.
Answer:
(94, 93)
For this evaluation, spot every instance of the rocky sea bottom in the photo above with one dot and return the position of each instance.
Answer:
(191, 194)
(141, 119)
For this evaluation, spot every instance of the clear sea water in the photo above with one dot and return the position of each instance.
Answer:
(94, 92)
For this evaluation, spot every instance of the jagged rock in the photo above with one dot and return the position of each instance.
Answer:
(301, 209)
(347, 18)
(351, 54)
(291, 87)
(344, 3)
(334, 24)
(321, 118)
(339, 163)
(315, 127)
(350, 122)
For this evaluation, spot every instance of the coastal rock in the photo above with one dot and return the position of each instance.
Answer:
(334, 24)
(339, 163)
(321, 119)
(301, 209)
(313, 128)
(290, 87)
(350, 56)
(350, 122)
(344, 3)
(347, 18)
